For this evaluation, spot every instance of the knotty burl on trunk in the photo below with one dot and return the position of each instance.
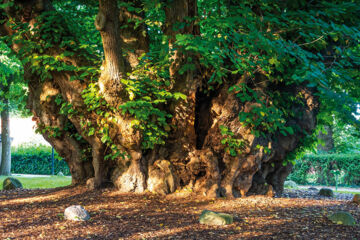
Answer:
(194, 155)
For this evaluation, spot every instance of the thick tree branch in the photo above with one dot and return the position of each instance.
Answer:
(107, 22)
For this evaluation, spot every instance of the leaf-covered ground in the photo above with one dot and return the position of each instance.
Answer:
(38, 214)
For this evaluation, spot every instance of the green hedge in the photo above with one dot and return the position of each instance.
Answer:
(36, 159)
(325, 168)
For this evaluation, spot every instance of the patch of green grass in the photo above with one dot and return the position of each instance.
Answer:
(40, 182)
(346, 192)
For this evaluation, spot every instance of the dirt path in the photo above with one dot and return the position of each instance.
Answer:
(38, 214)
(333, 188)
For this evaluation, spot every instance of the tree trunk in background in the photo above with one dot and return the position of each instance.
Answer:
(5, 167)
(327, 138)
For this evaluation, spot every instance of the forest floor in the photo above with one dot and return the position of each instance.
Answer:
(38, 214)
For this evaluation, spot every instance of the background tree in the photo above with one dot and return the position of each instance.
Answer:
(326, 138)
(10, 70)
(205, 95)
(5, 166)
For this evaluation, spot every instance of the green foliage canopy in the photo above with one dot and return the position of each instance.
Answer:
(12, 85)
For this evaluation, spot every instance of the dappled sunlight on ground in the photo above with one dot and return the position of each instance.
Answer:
(54, 196)
(38, 214)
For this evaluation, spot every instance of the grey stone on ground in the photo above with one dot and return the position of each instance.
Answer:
(343, 218)
(213, 218)
(312, 189)
(11, 183)
(326, 192)
(76, 213)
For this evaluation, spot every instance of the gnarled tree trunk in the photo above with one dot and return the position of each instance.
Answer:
(193, 156)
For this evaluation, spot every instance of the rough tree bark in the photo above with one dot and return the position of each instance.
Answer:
(5, 164)
(193, 156)
(46, 113)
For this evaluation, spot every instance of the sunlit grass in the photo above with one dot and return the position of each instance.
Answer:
(40, 182)
(342, 191)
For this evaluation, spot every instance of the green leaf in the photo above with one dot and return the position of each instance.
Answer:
(91, 131)
(233, 152)
(178, 95)
(289, 130)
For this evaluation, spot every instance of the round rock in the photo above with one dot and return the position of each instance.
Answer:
(326, 192)
(76, 213)
(11, 183)
(213, 218)
(344, 218)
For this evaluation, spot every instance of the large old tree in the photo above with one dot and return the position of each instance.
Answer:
(209, 96)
